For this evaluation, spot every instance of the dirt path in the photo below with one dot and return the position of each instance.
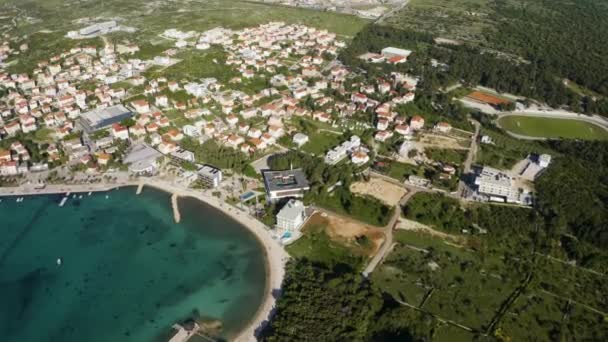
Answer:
(380, 189)
(452, 240)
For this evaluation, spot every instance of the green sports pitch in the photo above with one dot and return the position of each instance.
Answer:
(540, 127)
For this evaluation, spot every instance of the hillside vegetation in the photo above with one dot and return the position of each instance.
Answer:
(530, 48)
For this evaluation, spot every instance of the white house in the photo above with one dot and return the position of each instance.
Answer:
(141, 106)
(300, 139)
(359, 157)
(417, 122)
(382, 124)
(120, 132)
(403, 129)
(162, 100)
(292, 215)
(191, 131)
(443, 127)
(544, 160)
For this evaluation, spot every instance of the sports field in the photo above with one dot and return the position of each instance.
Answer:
(552, 128)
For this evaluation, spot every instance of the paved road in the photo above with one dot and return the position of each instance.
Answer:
(473, 150)
(262, 163)
(387, 245)
(471, 156)
(392, 12)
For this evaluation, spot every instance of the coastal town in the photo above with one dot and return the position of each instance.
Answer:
(73, 112)
(270, 125)
(95, 115)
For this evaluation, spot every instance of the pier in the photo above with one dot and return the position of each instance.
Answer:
(140, 187)
(176, 214)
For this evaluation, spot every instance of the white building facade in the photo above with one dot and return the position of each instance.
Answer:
(292, 216)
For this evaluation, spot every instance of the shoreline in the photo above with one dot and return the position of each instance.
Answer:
(274, 254)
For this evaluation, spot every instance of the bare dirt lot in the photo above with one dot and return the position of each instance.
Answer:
(444, 141)
(380, 189)
(344, 230)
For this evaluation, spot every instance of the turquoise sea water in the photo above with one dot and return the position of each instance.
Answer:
(128, 273)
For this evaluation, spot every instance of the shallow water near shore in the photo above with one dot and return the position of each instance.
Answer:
(128, 272)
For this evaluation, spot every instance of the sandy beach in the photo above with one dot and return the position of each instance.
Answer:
(276, 257)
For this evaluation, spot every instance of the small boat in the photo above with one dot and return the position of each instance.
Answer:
(90, 193)
(59, 261)
(80, 197)
(107, 196)
(74, 196)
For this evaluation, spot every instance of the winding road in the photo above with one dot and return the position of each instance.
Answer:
(392, 12)
(388, 244)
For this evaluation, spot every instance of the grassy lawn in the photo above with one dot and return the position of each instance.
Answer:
(399, 284)
(321, 142)
(455, 157)
(552, 128)
(531, 315)
(571, 282)
(472, 283)
(44, 135)
(506, 150)
(195, 65)
(450, 333)
(462, 291)
(401, 171)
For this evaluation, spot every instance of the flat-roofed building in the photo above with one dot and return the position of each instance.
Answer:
(211, 176)
(101, 118)
(497, 185)
(292, 216)
(395, 52)
(285, 184)
(343, 150)
(97, 28)
(142, 159)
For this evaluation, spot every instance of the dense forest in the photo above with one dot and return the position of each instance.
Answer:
(336, 304)
(573, 192)
(564, 37)
(529, 52)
